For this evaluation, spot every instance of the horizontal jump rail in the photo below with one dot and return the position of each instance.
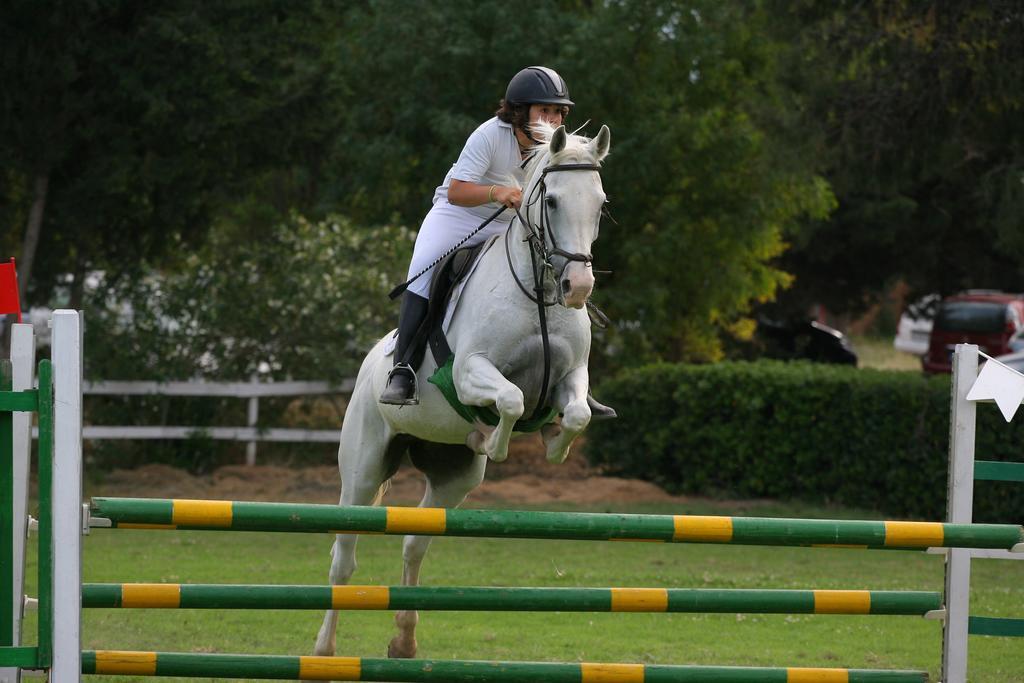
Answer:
(157, 513)
(1007, 627)
(222, 389)
(701, 600)
(273, 434)
(991, 470)
(456, 671)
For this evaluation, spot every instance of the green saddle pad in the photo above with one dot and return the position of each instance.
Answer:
(442, 379)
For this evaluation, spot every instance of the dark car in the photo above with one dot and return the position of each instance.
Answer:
(992, 320)
(805, 339)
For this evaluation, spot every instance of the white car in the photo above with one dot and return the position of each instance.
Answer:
(39, 317)
(915, 326)
(1014, 360)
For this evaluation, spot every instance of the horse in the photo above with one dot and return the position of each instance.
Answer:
(500, 357)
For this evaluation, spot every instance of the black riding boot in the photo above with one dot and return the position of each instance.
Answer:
(401, 386)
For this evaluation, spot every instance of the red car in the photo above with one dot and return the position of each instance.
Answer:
(992, 320)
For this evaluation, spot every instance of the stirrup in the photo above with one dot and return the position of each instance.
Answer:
(402, 389)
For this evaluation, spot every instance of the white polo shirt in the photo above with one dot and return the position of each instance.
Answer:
(490, 157)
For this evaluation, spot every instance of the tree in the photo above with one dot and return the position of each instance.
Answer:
(706, 178)
(306, 302)
(183, 116)
(418, 78)
(921, 117)
(700, 172)
(126, 126)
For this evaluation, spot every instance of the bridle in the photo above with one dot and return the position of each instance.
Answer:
(540, 256)
(539, 235)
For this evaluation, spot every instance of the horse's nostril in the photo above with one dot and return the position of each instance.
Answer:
(566, 286)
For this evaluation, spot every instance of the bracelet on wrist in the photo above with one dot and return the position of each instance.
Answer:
(490, 193)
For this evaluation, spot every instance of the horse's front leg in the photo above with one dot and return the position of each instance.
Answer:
(570, 397)
(479, 383)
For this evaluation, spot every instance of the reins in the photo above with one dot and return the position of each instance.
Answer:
(540, 257)
(397, 291)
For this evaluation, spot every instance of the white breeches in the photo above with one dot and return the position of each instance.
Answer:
(444, 225)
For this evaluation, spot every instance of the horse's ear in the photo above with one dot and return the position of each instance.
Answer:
(602, 143)
(558, 140)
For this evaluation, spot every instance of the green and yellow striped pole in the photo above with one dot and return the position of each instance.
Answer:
(213, 596)
(455, 671)
(243, 516)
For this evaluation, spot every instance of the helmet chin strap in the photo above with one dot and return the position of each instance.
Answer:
(525, 128)
(526, 131)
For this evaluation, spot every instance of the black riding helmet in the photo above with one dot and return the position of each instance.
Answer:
(537, 85)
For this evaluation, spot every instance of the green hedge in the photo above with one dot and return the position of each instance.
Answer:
(833, 434)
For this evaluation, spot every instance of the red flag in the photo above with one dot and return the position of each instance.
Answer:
(10, 302)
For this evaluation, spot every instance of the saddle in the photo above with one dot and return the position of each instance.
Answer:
(447, 275)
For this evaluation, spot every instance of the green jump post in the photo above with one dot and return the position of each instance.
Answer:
(20, 401)
(45, 475)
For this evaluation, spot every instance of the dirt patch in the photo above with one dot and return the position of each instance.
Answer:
(525, 478)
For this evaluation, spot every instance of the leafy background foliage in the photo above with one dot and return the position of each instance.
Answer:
(187, 125)
(307, 295)
(921, 140)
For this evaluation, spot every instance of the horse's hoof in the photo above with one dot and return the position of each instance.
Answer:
(399, 649)
(323, 651)
(558, 458)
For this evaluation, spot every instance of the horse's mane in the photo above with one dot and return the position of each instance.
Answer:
(576, 150)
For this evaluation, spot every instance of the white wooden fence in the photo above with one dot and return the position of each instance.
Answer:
(252, 391)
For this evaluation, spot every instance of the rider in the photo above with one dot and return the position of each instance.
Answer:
(488, 175)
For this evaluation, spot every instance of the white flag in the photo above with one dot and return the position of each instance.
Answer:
(1002, 384)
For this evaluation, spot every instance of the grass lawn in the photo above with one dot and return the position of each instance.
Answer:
(721, 639)
(879, 353)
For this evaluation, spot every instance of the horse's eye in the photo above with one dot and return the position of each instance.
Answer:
(551, 202)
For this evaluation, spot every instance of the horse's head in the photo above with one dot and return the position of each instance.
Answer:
(564, 200)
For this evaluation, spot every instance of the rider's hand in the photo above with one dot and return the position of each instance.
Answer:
(510, 197)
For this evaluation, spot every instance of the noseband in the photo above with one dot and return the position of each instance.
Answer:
(540, 234)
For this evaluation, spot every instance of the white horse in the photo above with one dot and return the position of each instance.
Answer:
(498, 361)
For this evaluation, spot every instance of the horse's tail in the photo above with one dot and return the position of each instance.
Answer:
(365, 439)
